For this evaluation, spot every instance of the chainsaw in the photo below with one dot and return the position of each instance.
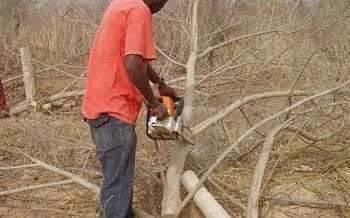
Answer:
(169, 128)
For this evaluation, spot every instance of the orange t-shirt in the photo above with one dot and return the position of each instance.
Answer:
(126, 28)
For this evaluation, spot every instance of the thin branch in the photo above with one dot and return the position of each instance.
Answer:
(161, 160)
(212, 48)
(57, 69)
(313, 137)
(35, 187)
(255, 185)
(151, 174)
(223, 67)
(13, 78)
(222, 190)
(302, 70)
(170, 59)
(72, 176)
(283, 201)
(151, 200)
(290, 141)
(86, 162)
(73, 82)
(19, 167)
(248, 121)
(224, 112)
(45, 209)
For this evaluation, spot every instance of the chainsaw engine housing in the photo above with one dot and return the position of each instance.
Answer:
(169, 128)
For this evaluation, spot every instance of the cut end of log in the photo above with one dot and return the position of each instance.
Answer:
(203, 199)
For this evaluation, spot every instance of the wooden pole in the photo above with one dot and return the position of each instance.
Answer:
(28, 75)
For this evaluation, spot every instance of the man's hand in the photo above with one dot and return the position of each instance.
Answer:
(163, 88)
(158, 109)
(166, 90)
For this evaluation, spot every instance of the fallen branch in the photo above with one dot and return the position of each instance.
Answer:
(23, 106)
(221, 189)
(161, 161)
(19, 167)
(283, 201)
(212, 48)
(312, 137)
(151, 199)
(170, 59)
(53, 67)
(150, 173)
(255, 185)
(45, 209)
(246, 134)
(95, 188)
(235, 105)
(12, 79)
(73, 177)
(35, 187)
(227, 195)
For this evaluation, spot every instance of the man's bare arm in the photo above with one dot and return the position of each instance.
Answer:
(163, 88)
(139, 76)
(153, 76)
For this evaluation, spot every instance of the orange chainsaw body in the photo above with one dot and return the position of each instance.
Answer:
(169, 128)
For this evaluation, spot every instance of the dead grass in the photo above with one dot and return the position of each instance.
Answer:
(316, 172)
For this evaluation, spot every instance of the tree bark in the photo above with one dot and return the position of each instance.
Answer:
(255, 185)
(171, 194)
(203, 199)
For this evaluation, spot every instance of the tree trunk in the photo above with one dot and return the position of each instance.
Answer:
(171, 194)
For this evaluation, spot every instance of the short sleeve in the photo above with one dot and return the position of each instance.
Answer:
(139, 33)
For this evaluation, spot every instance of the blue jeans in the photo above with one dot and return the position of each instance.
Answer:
(115, 143)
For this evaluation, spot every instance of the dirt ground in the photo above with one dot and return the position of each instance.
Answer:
(306, 173)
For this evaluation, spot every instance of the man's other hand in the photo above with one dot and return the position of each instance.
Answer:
(165, 90)
(158, 109)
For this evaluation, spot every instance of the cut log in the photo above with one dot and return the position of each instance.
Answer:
(203, 199)
(22, 106)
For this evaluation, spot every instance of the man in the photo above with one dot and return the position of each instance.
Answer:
(118, 82)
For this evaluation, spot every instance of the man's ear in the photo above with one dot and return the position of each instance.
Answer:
(147, 2)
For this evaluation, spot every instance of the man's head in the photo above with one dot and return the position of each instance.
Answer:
(155, 5)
